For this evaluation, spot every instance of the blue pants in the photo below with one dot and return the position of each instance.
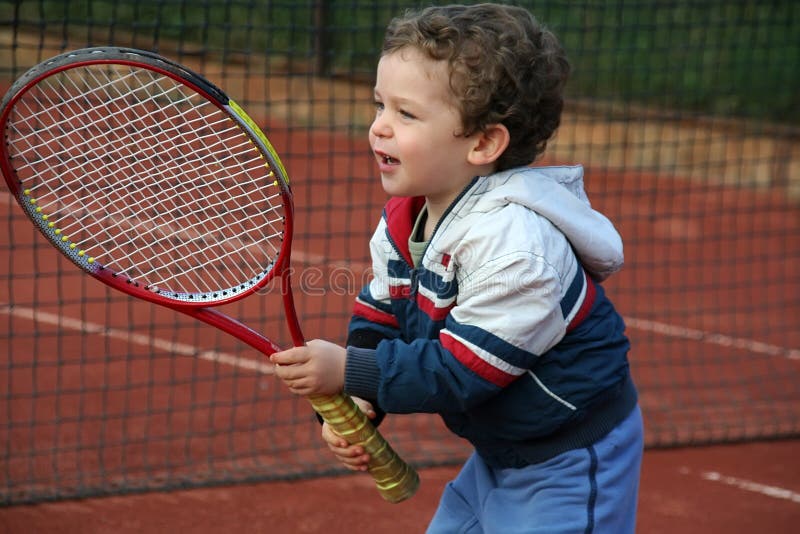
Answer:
(592, 490)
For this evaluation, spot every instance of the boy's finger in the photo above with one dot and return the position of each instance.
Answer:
(289, 356)
(355, 461)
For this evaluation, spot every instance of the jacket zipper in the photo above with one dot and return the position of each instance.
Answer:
(413, 271)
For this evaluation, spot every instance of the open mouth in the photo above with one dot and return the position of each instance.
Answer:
(386, 159)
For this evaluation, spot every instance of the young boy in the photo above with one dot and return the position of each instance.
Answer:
(486, 307)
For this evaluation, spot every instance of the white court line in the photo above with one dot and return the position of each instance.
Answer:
(266, 368)
(647, 325)
(174, 347)
(712, 338)
(748, 485)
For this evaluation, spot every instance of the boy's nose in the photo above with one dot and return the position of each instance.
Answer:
(380, 128)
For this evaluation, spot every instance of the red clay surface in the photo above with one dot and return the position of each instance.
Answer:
(690, 253)
(734, 489)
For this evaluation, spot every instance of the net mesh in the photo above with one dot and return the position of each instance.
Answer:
(684, 114)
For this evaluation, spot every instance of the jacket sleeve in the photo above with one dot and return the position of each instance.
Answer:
(372, 320)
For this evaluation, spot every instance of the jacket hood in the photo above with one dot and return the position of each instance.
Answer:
(557, 193)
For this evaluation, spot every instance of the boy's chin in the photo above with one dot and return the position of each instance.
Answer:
(392, 188)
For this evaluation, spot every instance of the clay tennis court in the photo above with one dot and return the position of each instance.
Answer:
(731, 488)
(120, 416)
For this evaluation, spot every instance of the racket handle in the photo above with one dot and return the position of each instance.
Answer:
(396, 480)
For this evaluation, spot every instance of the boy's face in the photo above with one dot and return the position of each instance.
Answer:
(415, 134)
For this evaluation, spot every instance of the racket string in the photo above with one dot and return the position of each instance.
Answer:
(176, 198)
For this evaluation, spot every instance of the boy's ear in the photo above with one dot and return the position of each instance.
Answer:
(489, 145)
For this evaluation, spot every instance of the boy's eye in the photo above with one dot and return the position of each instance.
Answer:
(407, 115)
(378, 106)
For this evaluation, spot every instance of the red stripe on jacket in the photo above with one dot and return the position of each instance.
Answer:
(401, 291)
(430, 309)
(586, 305)
(375, 315)
(474, 362)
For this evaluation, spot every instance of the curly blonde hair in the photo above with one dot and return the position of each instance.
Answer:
(505, 68)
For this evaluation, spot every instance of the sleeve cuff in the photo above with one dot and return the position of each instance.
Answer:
(361, 375)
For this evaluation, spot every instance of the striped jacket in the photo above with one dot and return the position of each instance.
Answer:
(503, 328)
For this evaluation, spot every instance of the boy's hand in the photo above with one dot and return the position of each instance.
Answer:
(314, 369)
(351, 456)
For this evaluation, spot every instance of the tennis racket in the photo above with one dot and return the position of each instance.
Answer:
(150, 179)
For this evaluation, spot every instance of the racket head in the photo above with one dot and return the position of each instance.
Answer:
(147, 176)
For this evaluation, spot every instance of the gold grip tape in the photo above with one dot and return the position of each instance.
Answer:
(396, 480)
